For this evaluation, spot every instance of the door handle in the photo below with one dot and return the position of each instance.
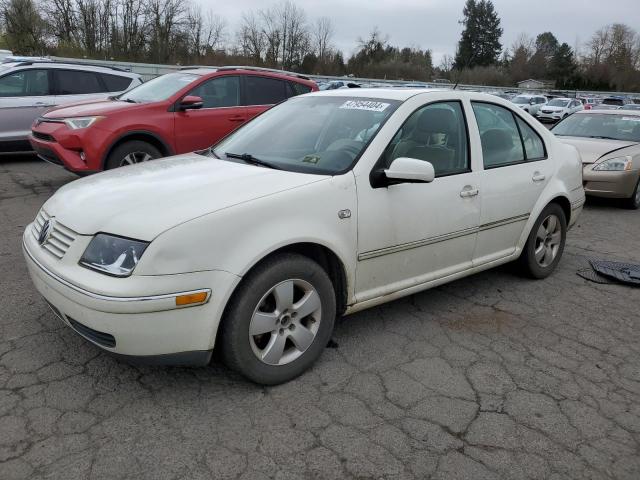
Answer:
(469, 191)
(538, 177)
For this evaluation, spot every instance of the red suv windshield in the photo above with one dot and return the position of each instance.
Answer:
(160, 88)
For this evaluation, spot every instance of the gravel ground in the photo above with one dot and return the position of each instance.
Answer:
(493, 376)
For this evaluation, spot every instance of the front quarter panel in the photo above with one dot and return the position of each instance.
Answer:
(237, 238)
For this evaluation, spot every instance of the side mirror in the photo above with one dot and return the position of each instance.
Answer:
(410, 170)
(191, 102)
(532, 102)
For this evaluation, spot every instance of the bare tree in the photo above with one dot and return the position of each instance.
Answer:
(322, 35)
(251, 38)
(165, 19)
(62, 20)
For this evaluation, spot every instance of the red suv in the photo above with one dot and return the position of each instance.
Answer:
(176, 113)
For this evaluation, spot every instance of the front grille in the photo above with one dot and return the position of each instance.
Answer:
(42, 136)
(101, 338)
(48, 155)
(60, 237)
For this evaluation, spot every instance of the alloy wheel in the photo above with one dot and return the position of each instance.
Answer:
(548, 240)
(285, 322)
(135, 157)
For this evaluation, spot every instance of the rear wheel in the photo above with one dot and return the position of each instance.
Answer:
(130, 153)
(633, 202)
(545, 244)
(279, 321)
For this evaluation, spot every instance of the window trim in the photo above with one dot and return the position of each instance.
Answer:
(524, 150)
(376, 170)
(49, 81)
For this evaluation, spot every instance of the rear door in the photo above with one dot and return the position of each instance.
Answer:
(24, 96)
(261, 93)
(516, 170)
(72, 85)
(220, 114)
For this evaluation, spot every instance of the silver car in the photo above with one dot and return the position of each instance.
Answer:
(28, 88)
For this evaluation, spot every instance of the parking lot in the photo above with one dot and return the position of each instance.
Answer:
(493, 376)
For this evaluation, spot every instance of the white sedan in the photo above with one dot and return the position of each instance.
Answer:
(327, 204)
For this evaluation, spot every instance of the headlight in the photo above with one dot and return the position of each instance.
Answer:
(617, 164)
(113, 255)
(81, 122)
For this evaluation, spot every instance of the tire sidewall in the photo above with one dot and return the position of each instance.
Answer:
(115, 157)
(529, 258)
(632, 203)
(234, 339)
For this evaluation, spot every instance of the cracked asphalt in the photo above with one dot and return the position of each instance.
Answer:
(493, 376)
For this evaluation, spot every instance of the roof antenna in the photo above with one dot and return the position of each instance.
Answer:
(465, 65)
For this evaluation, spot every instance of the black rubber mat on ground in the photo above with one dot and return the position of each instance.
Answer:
(627, 273)
(589, 274)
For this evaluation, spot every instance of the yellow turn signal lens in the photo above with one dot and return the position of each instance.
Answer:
(190, 299)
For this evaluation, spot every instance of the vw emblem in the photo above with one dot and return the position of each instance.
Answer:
(46, 231)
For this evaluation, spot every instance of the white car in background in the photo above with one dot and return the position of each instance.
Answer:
(530, 103)
(325, 205)
(559, 109)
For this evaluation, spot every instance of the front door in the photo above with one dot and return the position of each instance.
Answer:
(516, 170)
(412, 233)
(220, 114)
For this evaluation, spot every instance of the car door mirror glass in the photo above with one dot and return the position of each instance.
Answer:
(191, 102)
(410, 170)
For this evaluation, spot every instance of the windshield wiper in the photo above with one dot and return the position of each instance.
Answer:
(248, 158)
(128, 100)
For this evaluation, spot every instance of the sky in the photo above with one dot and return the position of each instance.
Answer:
(434, 24)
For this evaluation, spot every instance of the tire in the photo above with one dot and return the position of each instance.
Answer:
(547, 237)
(270, 302)
(128, 153)
(633, 202)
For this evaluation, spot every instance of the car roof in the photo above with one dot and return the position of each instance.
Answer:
(403, 94)
(248, 70)
(610, 112)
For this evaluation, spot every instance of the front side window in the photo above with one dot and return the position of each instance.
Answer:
(435, 133)
(322, 135)
(25, 83)
(76, 82)
(219, 92)
(499, 135)
(264, 91)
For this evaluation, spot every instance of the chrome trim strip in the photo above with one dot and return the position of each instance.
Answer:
(440, 238)
(108, 298)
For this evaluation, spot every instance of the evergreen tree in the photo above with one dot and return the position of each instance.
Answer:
(480, 41)
(563, 66)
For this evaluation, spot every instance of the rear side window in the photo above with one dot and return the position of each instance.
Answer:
(264, 91)
(25, 83)
(114, 83)
(533, 144)
(76, 82)
(299, 88)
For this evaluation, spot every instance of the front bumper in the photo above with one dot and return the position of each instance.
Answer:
(141, 328)
(609, 184)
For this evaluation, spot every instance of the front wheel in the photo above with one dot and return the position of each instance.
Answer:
(279, 320)
(130, 153)
(633, 202)
(544, 247)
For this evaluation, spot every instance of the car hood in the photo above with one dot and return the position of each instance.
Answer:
(144, 200)
(90, 108)
(592, 149)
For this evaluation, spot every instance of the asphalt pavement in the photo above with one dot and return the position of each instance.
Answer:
(492, 376)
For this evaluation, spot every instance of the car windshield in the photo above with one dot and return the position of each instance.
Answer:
(158, 89)
(558, 103)
(315, 134)
(521, 100)
(601, 125)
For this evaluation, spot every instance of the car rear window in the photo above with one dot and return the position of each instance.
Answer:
(115, 83)
(76, 82)
(264, 91)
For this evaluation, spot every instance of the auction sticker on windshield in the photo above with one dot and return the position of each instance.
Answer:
(365, 105)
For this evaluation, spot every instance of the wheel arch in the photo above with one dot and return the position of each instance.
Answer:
(565, 204)
(142, 135)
